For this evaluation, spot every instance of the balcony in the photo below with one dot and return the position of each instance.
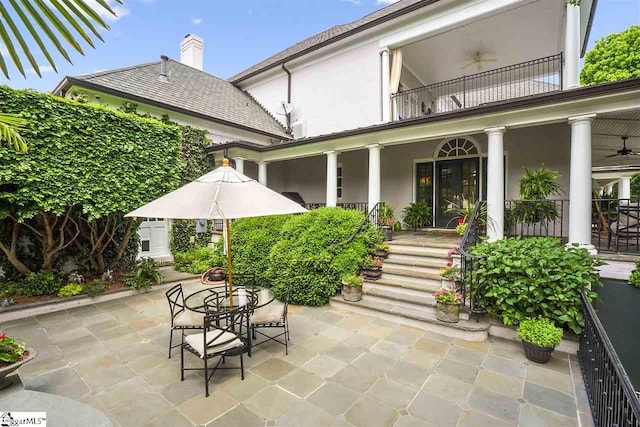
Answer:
(525, 79)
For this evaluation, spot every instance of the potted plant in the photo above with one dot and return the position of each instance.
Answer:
(417, 215)
(372, 268)
(352, 288)
(539, 338)
(448, 302)
(535, 187)
(461, 227)
(386, 220)
(449, 274)
(381, 250)
(13, 354)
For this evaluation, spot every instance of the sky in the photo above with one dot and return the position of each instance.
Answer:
(238, 33)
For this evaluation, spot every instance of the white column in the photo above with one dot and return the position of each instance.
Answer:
(262, 173)
(495, 183)
(580, 181)
(624, 187)
(239, 161)
(332, 178)
(572, 47)
(385, 76)
(609, 189)
(374, 175)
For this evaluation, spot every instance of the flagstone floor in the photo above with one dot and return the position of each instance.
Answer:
(342, 370)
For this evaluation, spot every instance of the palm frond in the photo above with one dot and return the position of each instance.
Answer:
(60, 21)
(10, 125)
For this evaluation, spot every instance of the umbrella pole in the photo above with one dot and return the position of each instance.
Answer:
(229, 275)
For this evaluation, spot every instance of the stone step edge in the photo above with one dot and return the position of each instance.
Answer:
(411, 273)
(434, 245)
(423, 264)
(404, 300)
(404, 285)
(421, 252)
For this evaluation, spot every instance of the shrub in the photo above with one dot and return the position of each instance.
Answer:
(352, 280)
(42, 283)
(541, 332)
(145, 275)
(312, 255)
(197, 260)
(7, 290)
(634, 278)
(535, 277)
(95, 287)
(614, 57)
(417, 215)
(10, 349)
(70, 290)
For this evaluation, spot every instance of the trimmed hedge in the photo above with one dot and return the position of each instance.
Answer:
(311, 256)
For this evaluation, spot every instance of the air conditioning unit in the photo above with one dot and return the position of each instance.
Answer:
(299, 129)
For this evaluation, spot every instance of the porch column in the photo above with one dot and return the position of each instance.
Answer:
(374, 175)
(239, 161)
(580, 181)
(624, 188)
(385, 76)
(332, 178)
(609, 189)
(495, 183)
(572, 47)
(262, 173)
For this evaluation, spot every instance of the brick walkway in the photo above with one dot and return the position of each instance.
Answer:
(342, 369)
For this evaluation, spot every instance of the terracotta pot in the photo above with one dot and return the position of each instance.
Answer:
(449, 313)
(537, 354)
(351, 293)
(387, 233)
(372, 273)
(5, 371)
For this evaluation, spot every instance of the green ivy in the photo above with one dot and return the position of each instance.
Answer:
(535, 277)
(311, 254)
(614, 57)
(182, 231)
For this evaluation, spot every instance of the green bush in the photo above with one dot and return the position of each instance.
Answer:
(541, 332)
(634, 278)
(145, 275)
(182, 230)
(312, 255)
(70, 290)
(197, 260)
(8, 289)
(42, 283)
(535, 277)
(95, 287)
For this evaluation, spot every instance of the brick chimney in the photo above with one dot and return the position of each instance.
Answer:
(191, 49)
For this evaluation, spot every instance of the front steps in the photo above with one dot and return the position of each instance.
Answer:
(404, 293)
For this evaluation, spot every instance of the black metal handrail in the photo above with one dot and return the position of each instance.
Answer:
(354, 206)
(470, 286)
(535, 218)
(616, 224)
(371, 218)
(534, 77)
(613, 400)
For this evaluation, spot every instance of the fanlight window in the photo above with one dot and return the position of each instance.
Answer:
(458, 147)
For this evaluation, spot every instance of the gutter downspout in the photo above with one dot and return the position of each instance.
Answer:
(288, 115)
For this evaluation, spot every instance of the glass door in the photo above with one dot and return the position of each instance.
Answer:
(455, 180)
(424, 184)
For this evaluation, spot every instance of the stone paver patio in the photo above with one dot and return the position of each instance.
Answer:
(342, 369)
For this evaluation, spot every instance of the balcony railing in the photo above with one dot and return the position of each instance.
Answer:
(616, 225)
(529, 78)
(354, 206)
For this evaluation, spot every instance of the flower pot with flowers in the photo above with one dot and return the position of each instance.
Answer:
(386, 220)
(372, 268)
(381, 250)
(13, 354)
(461, 228)
(448, 302)
(539, 338)
(454, 255)
(449, 274)
(352, 287)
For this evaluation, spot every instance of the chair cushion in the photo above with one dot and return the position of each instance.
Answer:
(270, 313)
(219, 344)
(188, 318)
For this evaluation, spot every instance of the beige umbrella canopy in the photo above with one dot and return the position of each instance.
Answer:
(223, 193)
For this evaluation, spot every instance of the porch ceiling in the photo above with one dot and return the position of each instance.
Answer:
(606, 137)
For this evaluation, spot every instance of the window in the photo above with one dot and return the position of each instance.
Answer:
(458, 147)
(339, 181)
(145, 245)
(424, 183)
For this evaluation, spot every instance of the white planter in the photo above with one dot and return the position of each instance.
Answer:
(456, 260)
(448, 284)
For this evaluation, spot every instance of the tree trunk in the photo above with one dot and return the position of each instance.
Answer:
(11, 252)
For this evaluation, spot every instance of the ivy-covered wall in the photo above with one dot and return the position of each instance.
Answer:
(86, 166)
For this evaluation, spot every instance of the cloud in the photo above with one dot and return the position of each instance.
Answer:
(43, 69)
(353, 1)
(196, 21)
(387, 1)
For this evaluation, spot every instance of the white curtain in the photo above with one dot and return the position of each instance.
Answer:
(396, 70)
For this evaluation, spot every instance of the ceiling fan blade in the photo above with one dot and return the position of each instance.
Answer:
(490, 60)
(469, 64)
(479, 65)
(612, 155)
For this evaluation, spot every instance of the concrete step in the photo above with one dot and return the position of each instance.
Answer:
(411, 271)
(422, 285)
(426, 243)
(465, 329)
(418, 251)
(416, 261)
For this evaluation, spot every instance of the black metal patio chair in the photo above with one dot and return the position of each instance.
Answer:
(181, 317)
(271, 316)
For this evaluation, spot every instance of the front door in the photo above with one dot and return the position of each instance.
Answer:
(154, 238)
(455, 180)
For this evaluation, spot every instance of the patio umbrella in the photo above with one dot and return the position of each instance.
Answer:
(223, 194)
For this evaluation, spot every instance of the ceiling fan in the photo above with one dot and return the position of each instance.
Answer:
(479, 57)
(624, 151)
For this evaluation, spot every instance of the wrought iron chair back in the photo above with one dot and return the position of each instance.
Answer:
(175, 297)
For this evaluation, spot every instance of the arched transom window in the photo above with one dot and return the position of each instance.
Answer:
(458, 147)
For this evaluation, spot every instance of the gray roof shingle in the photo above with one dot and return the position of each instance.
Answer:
(189, 89)
(334, 32)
